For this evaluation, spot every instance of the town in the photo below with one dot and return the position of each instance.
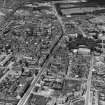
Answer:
(52, 52)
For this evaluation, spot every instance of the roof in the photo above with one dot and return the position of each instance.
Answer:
(38, 100)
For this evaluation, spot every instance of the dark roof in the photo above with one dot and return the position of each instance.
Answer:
(88, 42)
(38, 100)
(101, 2)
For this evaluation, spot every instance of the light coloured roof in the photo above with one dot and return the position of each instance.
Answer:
(1, 13)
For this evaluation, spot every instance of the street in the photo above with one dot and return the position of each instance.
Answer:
(29, 91)
(88, 96)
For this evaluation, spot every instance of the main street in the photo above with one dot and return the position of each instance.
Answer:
(88, 92)
(29, 91)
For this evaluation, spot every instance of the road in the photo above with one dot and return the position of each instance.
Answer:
(96, 97)
(67, 1)
(7, 19)
(59, 18)
(88, 95)
(29, 91)
(80, 29)
(8, 72)
(8, 101)
(4, 76)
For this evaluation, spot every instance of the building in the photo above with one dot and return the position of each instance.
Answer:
(22, 89)
(83, 50)
(6, 60)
